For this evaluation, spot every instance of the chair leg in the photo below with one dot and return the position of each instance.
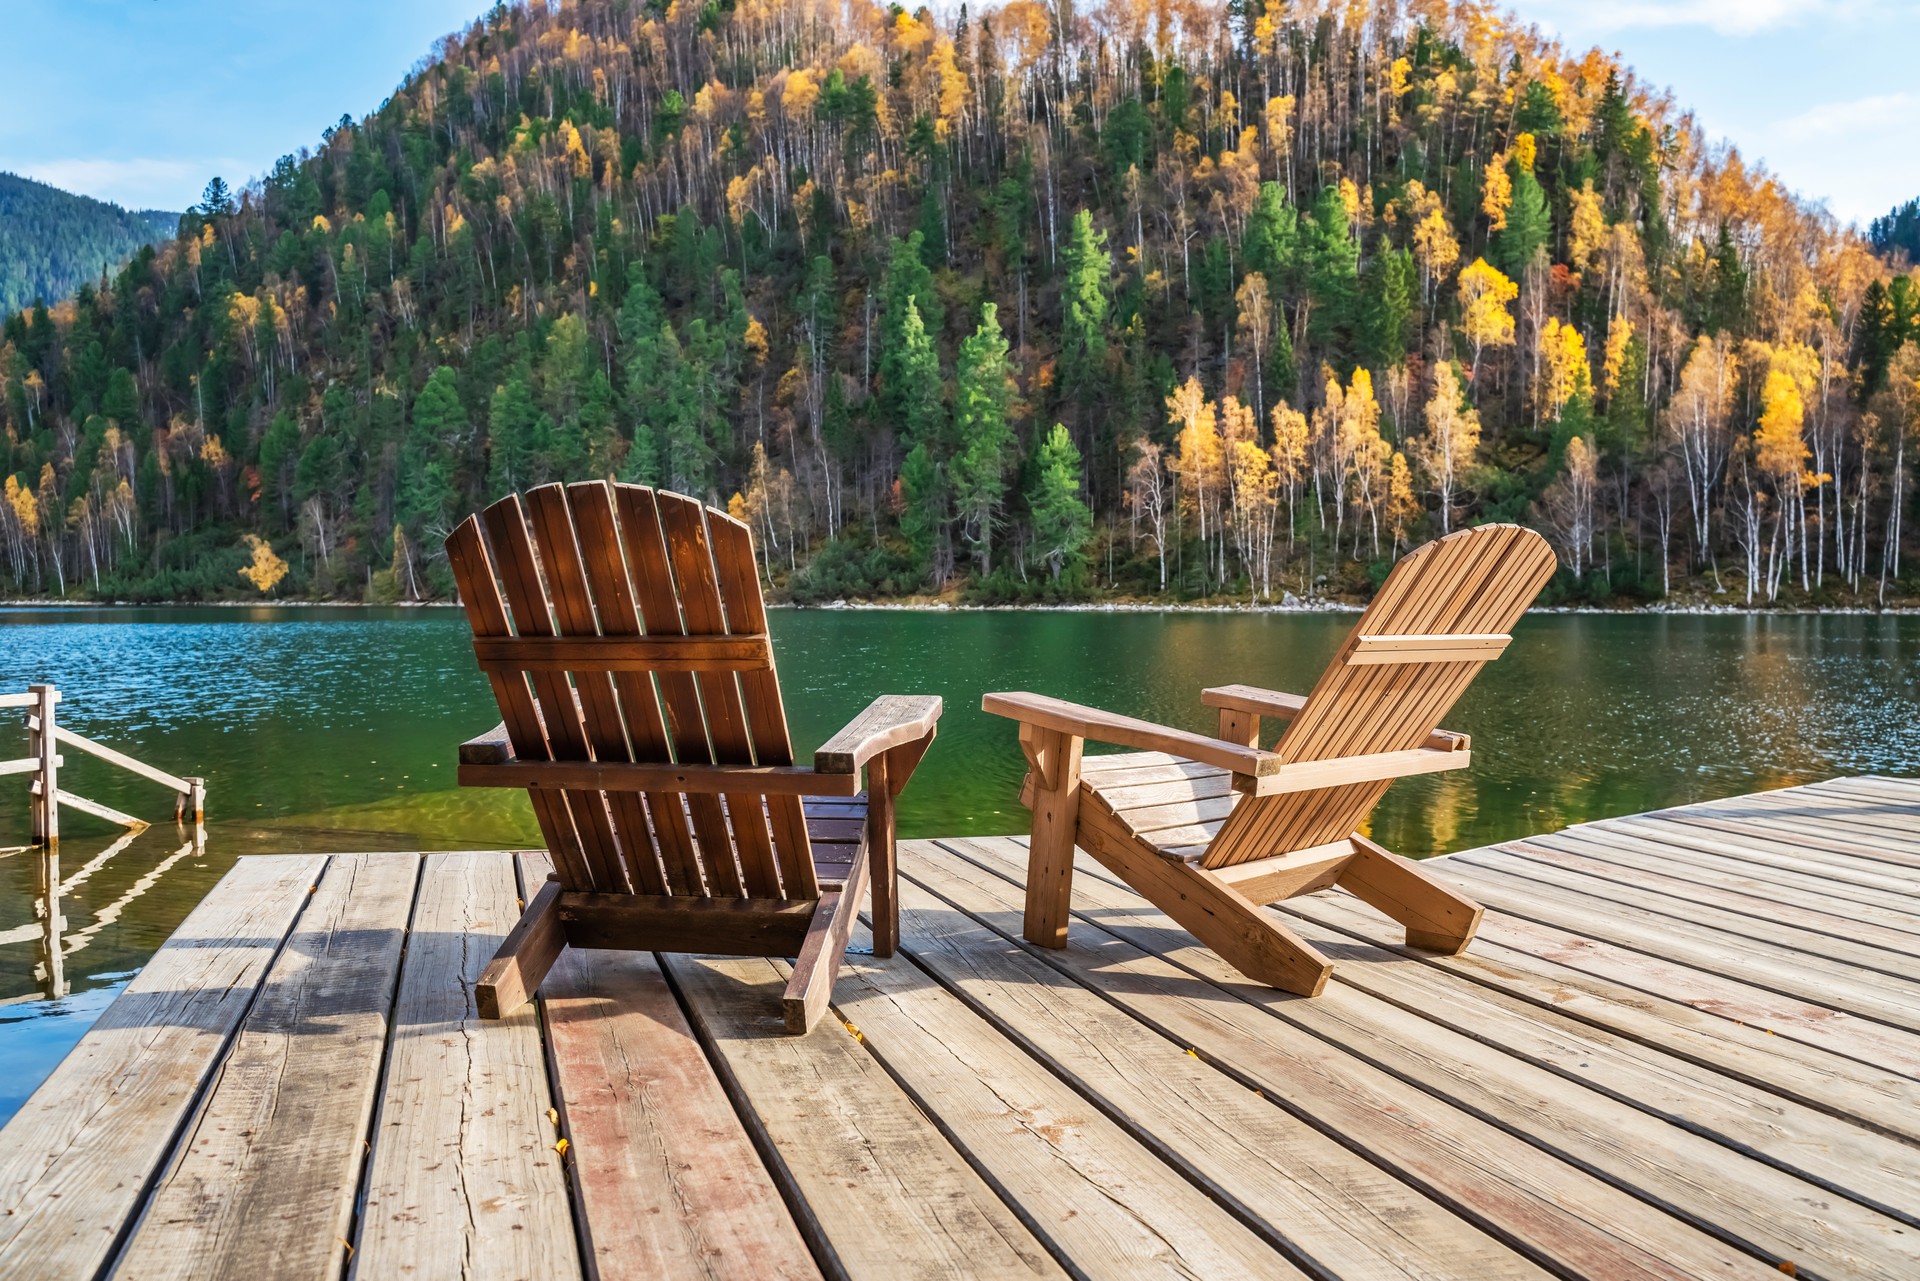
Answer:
(1437, 917)
(818, 964)
(1246, 936)
(528, 952)
(1055, 761)
(885, 875)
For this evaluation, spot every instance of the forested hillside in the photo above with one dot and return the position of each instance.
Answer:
(1029, 304)
(52, 241)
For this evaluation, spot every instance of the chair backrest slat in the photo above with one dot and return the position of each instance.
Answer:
(1442, 613)
(526, 599)
(598, 534)
(473, 574)
(636, 865)
(739, 576)
(685, 523)
(620, 624)
(653, 580)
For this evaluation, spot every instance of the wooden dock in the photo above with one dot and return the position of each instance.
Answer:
(1685, 1044)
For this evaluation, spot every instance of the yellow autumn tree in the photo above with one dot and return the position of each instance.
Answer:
(1403, 507)
(1446, 449)
(1199, 460)
(1496, 192)
(266, 569)
(1586, 226)
(1484, 295)
(1564, 371)
(1291, 438)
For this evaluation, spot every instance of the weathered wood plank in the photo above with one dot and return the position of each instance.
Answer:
(1100, 1198)
(1819, 1078)
(1742, 954)
(1305, 1192)
(856, 1151)
(271, 1164)
(1552, 1212)
(1749, 1000)
(667, 1180)
(463, 1165)
(1686, 851)
(1769, 907)
(1671, 1168)
(75, 1161)
(1867, 1166)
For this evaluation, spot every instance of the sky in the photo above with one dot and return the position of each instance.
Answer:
(141, 101)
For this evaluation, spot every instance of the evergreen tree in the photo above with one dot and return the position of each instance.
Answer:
(1086, 268)
(1529, 224)
(436, 438)
(982, 411)
(1332, 260)
(1062, 522)
(512, 424)
(1271, 243)
(1392, 279)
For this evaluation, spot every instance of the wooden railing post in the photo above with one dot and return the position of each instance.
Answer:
(46, 746)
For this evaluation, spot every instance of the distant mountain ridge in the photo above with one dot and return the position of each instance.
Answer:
(53, 241)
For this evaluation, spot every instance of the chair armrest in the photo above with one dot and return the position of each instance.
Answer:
(490, 748)
(1254, 701)
(1127, 731)
(1251, 698)
(890, 721)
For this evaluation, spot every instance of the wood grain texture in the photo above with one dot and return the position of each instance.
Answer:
(667, 1180)
(1553, 1213)
(1303, 1191)
(886, 1197)
(270, 1166)
(1102, 1200)
(76, 1159)
(464, 1179)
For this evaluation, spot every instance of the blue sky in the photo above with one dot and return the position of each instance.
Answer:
(141, 101)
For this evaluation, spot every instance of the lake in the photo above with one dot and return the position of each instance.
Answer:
(335, 729)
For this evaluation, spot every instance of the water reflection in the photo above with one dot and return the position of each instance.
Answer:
(51, 932)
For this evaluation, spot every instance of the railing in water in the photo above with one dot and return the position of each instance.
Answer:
(44, 761)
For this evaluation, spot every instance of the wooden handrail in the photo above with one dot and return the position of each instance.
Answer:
(46, 736)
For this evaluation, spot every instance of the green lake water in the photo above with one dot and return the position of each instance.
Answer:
(330, 729)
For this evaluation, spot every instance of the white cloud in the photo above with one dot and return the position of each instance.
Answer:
(1728, 17)
(1880, 114)
(136, 184)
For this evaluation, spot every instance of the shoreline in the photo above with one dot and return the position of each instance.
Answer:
(1292, 605)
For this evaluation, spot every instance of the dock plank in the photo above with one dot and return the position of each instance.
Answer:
(886, 1195)
(464, 1179)
(270, 1166)
(1669, 1167)
(667, 1179)
(76, 1160)
(1104, 1202)
(1819, 1078)
(1316, 1200)
(1557, 1214)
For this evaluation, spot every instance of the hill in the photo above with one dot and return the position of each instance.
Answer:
(1033, 303)
(52, 241)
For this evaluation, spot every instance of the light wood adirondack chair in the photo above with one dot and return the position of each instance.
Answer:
(1210, 829)
(625, 636)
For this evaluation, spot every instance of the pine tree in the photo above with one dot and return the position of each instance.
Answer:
(1086, 267)
(1333, 276)
(1062, 523)
(1529, 224)
(983, 403)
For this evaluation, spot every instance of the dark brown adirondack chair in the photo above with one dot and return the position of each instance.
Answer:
(1210, 829)
(625, 636)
